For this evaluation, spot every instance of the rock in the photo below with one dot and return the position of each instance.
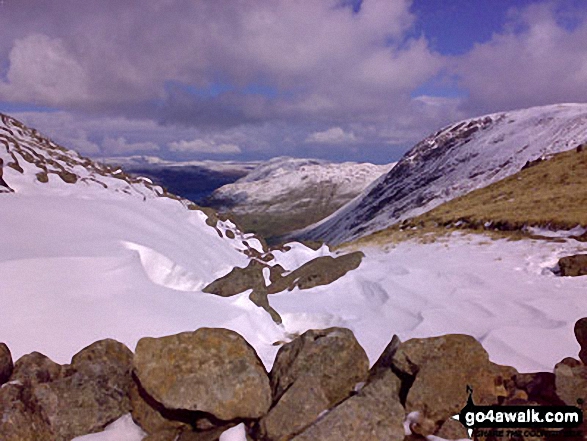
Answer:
(581, 336)
(311, 374)
(151, 415)
(93, 394)
(452, 429)
(385, 360)
(571, 381)
(36, 368)
(18, 419)
(6, 365)
(238, 280)
(374, 414)
(539, 387)
(573, 265)
(209, 370)
(319, 271)
(441, 368)
(105, 356)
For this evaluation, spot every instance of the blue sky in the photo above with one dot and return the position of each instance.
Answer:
(335, 79)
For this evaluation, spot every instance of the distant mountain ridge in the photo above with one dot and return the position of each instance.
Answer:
(286, 193)
(455, 160)
(194, 180)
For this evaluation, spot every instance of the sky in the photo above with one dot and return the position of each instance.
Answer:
(357, 80)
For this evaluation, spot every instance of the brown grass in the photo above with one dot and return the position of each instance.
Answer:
(551, 193)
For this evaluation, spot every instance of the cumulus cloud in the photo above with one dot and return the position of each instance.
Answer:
(334, 135)
(538, 59)
(201, 146)
(41, 70)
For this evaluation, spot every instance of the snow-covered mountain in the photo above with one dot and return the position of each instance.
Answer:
(453, 161)
(288, 193)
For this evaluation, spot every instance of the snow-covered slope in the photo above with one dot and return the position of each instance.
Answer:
(87, 252)
(453, 161)
(289, 188)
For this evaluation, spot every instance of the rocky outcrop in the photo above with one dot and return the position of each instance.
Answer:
(209, 370)
(311, 374)
(319, 271)
(573, 265)
(6, 364)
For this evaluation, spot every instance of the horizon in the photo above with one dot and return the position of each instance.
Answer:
(345, 80)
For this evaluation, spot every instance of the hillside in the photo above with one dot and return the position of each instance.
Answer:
(551, 193)
(285, 194)
(457, 159)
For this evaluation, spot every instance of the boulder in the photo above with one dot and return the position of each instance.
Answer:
(18, 419)
(92, 394)
(209, 370)
(36, 368)
(374, 414)
(581, 335)
(571, 381)
(573, 265)
(310, 375)
(441, 368)
(152, 416)
(6, 365)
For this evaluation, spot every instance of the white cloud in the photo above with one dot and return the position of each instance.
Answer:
(535, 61)
(201, 146)
(334, 135)
(41, 70)
(121, 145)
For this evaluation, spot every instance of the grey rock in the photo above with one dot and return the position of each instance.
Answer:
(374, 414)
(310, 375)
(209, 370)
(6, 364)
(36, 368)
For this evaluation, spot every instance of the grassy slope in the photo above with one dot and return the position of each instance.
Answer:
(550, 193)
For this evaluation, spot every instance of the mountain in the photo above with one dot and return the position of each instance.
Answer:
(193, 180)
(455, 160)
(285, 194)
(88, 252)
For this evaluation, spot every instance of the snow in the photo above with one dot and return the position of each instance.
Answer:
(81, 262)
(123, 429)
(271, 184)
(462, 157)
